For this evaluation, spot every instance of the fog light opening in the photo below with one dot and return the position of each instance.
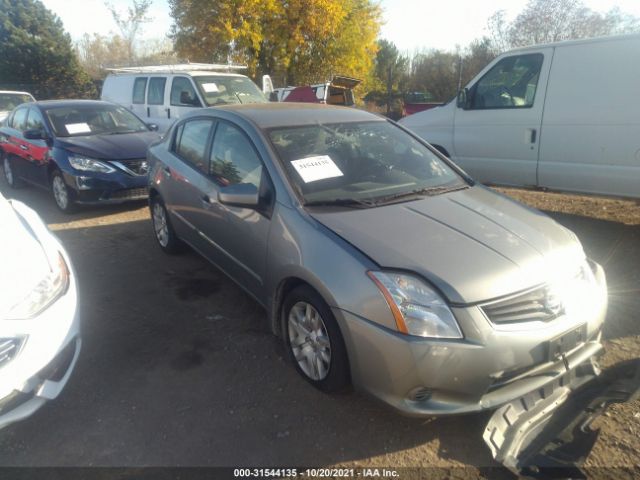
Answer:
(420, 394)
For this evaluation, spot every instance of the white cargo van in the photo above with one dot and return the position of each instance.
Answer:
(563, 116)
(161, 94)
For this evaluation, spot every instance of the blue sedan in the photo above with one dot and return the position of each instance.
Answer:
(84, 151)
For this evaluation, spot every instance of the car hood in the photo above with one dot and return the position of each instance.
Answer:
(24, 262)
(110, 147)
(474, 244)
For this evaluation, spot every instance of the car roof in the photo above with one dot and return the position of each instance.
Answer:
(276, 114)
(69, 103)
(17, 92)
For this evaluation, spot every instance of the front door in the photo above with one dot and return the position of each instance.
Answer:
(36, 153)
(497, 132)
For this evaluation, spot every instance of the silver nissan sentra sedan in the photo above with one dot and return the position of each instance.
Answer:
(380, 263)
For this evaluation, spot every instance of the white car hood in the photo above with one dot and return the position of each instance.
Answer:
(22, 259)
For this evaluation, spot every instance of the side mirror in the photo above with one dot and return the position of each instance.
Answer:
(463, 99)
(35, 134)
(187, 99)
(153, 127)
(239, 195)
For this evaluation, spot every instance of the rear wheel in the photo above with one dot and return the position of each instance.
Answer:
(9, 173)
(314, 341)
(62, 194)
(162, 228)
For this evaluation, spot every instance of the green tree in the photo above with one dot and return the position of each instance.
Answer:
(390, 70)
(295, 41)
(37, 54)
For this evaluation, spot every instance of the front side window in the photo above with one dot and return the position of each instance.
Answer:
(34, 120)
(359, 161)
(139, 87)
(191, 143)
(156, 91)
(511, 83)
(96, 119)
(233, 159)
(183, 93)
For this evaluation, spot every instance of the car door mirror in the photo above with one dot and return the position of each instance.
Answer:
(187, 99)
(35, 134)
(463, 99)
(239, 195)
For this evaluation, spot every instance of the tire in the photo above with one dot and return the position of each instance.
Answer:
(314, 342)
(163, 231)
(9, 173)
(63, 196)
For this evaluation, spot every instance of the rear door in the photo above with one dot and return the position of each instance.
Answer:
(36, 154)
(139, 96)
(157, 101)
(497, 133)
(16, 145)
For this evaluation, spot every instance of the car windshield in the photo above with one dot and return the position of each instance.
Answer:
(221, 89)
(360, 162)
(9, 101)
(81, 120)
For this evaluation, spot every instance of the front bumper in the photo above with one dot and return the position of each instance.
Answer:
(107, 188)
(47, 356)
(491, 366)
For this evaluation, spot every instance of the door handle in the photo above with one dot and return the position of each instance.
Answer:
(168, 113)
(166, 171)
(24, 147)
(206, 199)
(148, 112)
(533, 135)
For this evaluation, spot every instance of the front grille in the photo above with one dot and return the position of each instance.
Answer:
(539, 305)
(8, 349)
(137, 166)
(130, 194)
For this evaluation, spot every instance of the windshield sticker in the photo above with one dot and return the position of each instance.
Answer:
(210, 87)
(73, 128)
(316, 168)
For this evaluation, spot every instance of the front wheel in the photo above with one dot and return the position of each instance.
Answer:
(62, 194)
(164, 232)
(314, 341)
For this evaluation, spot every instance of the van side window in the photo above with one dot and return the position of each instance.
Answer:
(191, 145)
(155, 95)
(511, 83)
(183, 94)
(139, 86)
(233, 158)
(19, 120)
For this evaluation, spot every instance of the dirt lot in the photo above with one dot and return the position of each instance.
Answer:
(178, 367)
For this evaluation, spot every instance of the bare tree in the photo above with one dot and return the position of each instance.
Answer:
(131, 24)
(546, 21)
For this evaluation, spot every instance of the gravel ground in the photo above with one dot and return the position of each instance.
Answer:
(178, 367)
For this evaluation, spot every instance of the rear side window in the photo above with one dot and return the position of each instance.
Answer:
(183, 94)
(34, 120)
(19, 120)
(139, 87)
(191, 143)
(156, 91)
(511, 83)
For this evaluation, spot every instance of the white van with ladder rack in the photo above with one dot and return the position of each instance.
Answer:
(161, 94)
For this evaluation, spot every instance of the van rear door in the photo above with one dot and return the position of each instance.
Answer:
(497, 129)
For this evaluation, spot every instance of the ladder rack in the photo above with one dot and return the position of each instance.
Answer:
(183, 67)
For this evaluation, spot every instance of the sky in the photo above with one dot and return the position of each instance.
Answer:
(410, 24)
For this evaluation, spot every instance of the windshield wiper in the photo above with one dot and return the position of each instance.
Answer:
(429, 191)
(118, 132)
(341, 202)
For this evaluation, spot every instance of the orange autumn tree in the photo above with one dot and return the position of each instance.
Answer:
(295, 41)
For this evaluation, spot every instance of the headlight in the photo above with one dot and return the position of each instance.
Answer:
(89, 164)
(418, 309)
(50, 288)
(577, 291)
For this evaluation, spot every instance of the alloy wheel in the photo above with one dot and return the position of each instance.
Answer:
(160, 224)
(309, 341)
(8, 173)
(60, 193)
